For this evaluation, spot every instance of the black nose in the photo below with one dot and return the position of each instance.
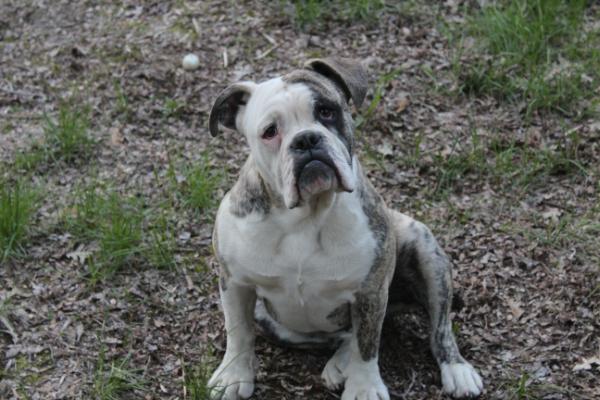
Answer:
(306, 141)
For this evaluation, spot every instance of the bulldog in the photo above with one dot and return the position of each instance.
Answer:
(308, 249)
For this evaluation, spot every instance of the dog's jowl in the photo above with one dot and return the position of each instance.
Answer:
(307, 247)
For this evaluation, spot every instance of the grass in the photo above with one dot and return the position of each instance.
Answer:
(382, 83)
(195, 378)
(196, 185)
(559, 233)
(31, 158)
(530, 52)
(311, 13)
(120, 233)
(456, 165)
(111, 224)
(196, 382)
(362, 120)
(172, 109)
(160, 242)
(122, 230)
(526, 387)
(66, 139)
(122, 104)
(17, 204)
(506, 164)
(112, 381)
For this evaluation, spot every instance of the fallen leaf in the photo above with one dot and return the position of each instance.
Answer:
(402, 103)
(116, 137)
(185, 236)
(385, 149)
(587, 364)
(515, 308)
(78, 332)
(79, 256)
(552, 213)
(17, 349)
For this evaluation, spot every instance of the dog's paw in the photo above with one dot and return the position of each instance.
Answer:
(233, 380)
(332, 375)
(364, 385)
(461, 380)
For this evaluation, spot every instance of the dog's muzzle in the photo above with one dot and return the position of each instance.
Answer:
(314, 170)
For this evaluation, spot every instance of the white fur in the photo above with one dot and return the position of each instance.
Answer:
(461, 380)
(307, 264)
(363, 381)
(234, 379)
(290, 107)
(333, 373)
(306, 259)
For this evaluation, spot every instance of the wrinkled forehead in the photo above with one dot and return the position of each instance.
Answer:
(317, 83)
(277, 94)
(296, 89)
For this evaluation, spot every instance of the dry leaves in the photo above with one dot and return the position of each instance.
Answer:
(526, 281)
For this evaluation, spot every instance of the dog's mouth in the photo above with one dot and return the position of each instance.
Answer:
(316, 174)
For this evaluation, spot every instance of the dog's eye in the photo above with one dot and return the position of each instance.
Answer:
(270, 132)
(326, 113)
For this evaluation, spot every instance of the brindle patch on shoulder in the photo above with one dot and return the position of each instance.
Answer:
(250, 193)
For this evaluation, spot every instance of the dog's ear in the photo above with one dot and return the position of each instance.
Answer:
(228, 104)
(349, 75)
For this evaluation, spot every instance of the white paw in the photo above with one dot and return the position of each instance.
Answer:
(233, 380)
(333, 373)
(364, 384)
(461, 380)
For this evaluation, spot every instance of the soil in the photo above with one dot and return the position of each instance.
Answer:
(526, 257)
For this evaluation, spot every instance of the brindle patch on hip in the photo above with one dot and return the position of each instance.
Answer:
(340, 316)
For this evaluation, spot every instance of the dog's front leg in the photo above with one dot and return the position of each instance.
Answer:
(363, 380)
(234, 379)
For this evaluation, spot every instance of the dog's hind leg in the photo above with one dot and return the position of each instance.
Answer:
(423, 268)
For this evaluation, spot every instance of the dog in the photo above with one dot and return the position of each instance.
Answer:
(308, 249)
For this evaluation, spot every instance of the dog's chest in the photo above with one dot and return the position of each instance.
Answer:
(305, 269)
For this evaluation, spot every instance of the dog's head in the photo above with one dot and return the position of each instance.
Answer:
(299, 126)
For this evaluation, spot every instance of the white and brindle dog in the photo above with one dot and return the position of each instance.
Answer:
(306, 246)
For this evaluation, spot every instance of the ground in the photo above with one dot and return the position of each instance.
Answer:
(510, 190)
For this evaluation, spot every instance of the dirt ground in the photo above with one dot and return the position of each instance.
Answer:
(526, 255)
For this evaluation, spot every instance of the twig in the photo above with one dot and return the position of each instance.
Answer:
(269, 38)
(9, 328)
(21, 116)
(267, 52)
(183, 380)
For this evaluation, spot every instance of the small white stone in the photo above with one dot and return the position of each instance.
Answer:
(190, 62)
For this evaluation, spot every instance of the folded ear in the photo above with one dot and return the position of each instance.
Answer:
(228, 104)
(349, 75)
